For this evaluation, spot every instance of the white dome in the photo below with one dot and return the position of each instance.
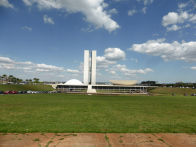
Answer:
(73, 82)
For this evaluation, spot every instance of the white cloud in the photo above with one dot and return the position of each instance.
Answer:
(193, 18)
(114, 54)
(171, 20)
(175, 18)
(5, 60)
(102, 62)
(182, 5)
(61, 76)
(48, 19)
(123, 69)
(187, 25)
(42, 70)
(117, 0)
(185, 51)
(73, 71)
(193, 68)
(7, 66)
(189, 4)
(112, 72)
(90, 28)
(109, 60)
(132, 12)
(49, 67)
(111, 56)
(194, 3)
(173, 28)
(113, 11)
(144, 10)
(146, 2)
(28, 2)
(93, 10)
(27, 28)
(5, 3)
(27, 69)
(7, 63)
(25, 63)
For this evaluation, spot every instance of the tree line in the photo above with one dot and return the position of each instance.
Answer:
(177, 84)
(5, 79)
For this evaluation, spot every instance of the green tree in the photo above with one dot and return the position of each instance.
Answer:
(11, 78)
(28, 80)
(19, 80)
(36, 80)
(4, 78)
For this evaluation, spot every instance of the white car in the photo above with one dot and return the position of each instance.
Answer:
(29, 92)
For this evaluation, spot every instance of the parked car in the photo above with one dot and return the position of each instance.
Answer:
(6, 92)
(19, 92)
(29, 92)
(1, 92)
(52, 91)
(13, 92)
(43, 92)
(193, 94)
(34, 92)
(23, 92)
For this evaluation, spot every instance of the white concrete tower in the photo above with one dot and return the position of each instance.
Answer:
(93, 67)
(86, 67)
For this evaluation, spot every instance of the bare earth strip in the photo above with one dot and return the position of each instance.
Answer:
(97, 140)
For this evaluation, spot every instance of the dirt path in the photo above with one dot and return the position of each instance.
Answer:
(97, 140)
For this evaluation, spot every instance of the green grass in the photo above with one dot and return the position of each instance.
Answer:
(82, 113)
(169, 91)
(39, 87)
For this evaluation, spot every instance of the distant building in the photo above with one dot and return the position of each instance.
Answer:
(89, 84)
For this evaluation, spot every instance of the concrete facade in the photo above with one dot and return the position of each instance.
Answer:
(89, 67)
(86, 67)
(90, 89)
(93, 67)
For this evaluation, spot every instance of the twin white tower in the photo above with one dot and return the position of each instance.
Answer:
(89, 67)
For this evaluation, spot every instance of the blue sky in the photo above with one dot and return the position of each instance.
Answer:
(135, 39)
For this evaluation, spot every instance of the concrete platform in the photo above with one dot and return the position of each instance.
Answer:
(97, 140)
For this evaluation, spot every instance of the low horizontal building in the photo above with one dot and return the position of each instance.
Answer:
(75, 86)
(90, 85)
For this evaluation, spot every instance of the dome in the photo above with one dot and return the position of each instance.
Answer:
(124, 82)
(73, 82)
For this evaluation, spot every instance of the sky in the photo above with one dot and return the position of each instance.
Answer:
(134, 39)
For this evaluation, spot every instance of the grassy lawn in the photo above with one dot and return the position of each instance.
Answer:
(82, 113)
(40, 87)
(175, 90)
